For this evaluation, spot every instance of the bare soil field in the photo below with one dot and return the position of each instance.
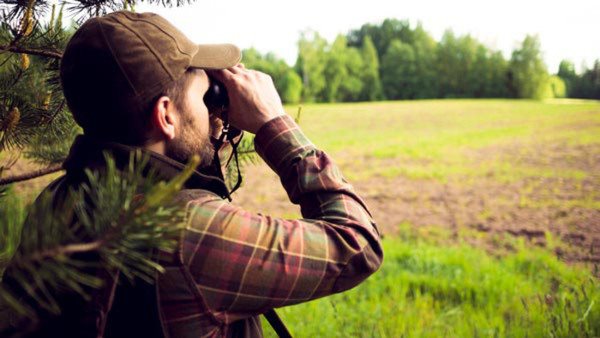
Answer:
(476, 210)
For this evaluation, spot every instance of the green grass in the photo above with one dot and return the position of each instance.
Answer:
(425, 289)
(435, 139)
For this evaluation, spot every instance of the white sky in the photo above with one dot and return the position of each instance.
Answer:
(568, 29)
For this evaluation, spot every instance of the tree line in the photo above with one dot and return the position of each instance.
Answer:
(395, 61)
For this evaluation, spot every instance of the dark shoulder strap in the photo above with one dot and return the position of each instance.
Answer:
(134, 312)
(277, 324)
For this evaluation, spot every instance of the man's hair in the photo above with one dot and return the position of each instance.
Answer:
(119, 121)
(176, 91)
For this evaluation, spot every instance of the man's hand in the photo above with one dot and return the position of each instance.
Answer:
(253, 99)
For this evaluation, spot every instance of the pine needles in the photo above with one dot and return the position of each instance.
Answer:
(123, 218)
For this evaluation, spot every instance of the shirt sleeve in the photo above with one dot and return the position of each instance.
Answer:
(245, 263)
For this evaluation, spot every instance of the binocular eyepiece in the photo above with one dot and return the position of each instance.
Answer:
(216, 98)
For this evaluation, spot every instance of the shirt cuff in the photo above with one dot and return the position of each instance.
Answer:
(280, 141)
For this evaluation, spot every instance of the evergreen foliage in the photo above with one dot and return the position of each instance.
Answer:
(122, 216)
(32, 108)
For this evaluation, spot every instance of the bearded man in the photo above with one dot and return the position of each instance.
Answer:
(133, 81)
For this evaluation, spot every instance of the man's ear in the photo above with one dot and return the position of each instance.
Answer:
(164, 118)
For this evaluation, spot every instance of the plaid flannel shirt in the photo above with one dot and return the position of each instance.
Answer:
(233, 265)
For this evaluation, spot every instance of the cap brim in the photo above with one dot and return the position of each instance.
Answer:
(216, 56)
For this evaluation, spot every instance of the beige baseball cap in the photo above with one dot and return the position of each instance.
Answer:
(122, 60)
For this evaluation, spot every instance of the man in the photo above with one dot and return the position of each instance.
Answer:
(134, 81)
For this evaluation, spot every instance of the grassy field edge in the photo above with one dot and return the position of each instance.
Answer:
(425, 289)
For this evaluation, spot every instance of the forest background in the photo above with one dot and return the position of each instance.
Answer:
(394, 61)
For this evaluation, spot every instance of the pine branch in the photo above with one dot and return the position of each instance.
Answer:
(56, 112)
(31, 175)
(123, 216)
(31, 51)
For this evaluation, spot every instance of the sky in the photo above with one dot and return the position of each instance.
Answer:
(568, 29)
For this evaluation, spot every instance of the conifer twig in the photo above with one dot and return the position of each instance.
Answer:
(56, 112)
(31, 175)
(32, 51)
(68, 250)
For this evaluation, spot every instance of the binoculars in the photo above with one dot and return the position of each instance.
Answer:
(217, 102)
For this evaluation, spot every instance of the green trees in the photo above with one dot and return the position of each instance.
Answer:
(449, 64)
(586, 85)
(528, 73)
(414, 66)
(382, 35)
(287, 82)
(397, 61)
(497, 72)
(352, 85)
(566, 71)
(311, 66)
(393, 60)
(426, 78)
(371, 84)
(398, 68)
(466, 68)
(336, 72)
(291, 87)
(589, 83)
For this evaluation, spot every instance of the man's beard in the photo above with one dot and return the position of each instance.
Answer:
(191, 142)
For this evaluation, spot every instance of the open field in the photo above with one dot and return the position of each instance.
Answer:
(484, 169)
